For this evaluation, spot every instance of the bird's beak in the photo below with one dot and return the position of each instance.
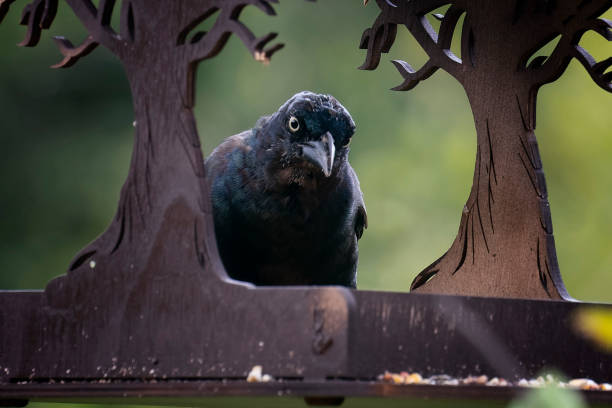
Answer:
(321, 153)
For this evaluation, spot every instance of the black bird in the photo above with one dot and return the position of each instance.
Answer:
(287, 205)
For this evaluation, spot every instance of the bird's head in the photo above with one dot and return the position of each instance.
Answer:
(310, 134)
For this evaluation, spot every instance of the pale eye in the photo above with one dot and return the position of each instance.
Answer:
(294, 124)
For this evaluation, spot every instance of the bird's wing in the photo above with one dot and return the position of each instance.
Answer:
(220, 174)
(218, 160)
(361, 216)
(361, 221)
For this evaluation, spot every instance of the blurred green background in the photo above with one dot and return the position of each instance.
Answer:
(67, 140)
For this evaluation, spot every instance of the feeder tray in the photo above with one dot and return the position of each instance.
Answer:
(146, 313)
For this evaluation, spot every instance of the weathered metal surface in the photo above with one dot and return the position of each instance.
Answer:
(505, 245)
(150, 300)
(460, 336)
(168, 331)
(211, 393)
(364, 333)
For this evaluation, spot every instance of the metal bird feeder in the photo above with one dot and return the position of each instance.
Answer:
(147, 310)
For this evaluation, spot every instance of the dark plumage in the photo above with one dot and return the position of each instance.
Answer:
(287, 205)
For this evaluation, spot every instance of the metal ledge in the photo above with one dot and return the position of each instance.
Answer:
(178, 393)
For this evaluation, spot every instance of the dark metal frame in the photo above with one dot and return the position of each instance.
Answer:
(505, 244)
(150, 300)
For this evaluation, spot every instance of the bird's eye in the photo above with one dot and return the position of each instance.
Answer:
(294, 124)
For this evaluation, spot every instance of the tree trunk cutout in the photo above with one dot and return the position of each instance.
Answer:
(505, 245)
(150, 297)
(160, 49)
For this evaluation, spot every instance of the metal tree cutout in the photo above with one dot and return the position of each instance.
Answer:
(146, 309)
(160, 52)
(505, 245)
(146, 297)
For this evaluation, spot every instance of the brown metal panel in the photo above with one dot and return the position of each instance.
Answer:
(150, 300)
(505, 245)
(177, 332)
(150, 297)
(461, 336)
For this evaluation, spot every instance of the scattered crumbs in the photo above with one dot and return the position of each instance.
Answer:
(405, 378)
(256, 375)
(583, 384)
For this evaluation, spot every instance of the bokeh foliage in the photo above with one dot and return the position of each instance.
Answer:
(67, 140)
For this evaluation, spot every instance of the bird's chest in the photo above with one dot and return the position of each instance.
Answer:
(291, 223)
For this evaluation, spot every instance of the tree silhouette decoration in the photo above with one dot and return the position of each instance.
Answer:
(147, 297)
(149, 300)
(160, 49)
(505, 245)
(160, 52)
